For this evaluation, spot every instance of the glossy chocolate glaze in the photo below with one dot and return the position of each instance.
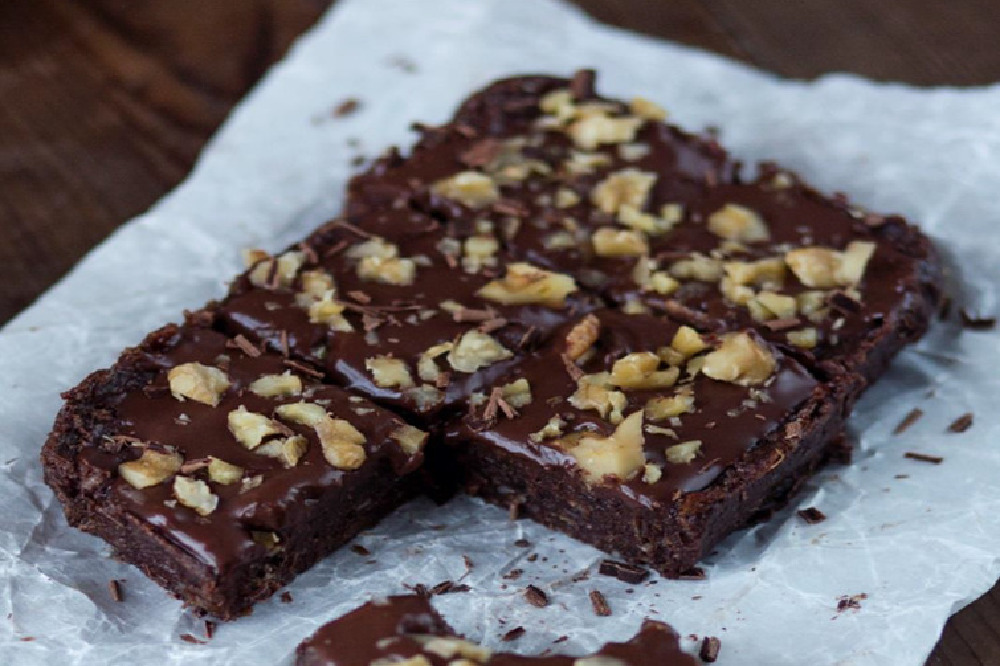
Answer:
(396, 629)
(284, 497)
(726, 425)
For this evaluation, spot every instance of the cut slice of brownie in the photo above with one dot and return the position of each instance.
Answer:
(407, 630)
(221, 470)
(417, 325)
(642, 437)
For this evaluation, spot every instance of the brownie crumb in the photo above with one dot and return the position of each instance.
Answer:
(209, 629)
(561, 639)
(522, 543)
(923, 457)
(188, 638)
(627, 573)
(908, 420)
(962, 423)
(812, 515)
(851, 602)
(513, 574)
(975, 322)
(115, 587)
(694, 573)
(360, 550)
(286, 597)
(513, 634)
(245, 346)
(581, 86)
(536, 597)
(346, 108)
(709, 651)
(600, 604)
(448, 587)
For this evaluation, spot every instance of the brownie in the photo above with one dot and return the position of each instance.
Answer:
(641, 436)
(220, 470)
(407, 630)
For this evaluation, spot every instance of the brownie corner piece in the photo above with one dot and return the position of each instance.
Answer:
(643, 437)
(220, 470)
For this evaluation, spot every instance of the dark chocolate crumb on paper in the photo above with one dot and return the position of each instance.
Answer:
(709, 651)
(627, 573)
(513, 634)
(923, 457)
(812, 515)
(912, 417)
(536, 597)
(962, 423)
(600, 604)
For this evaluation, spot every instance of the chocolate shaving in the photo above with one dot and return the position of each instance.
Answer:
(481, 153)
(308, 251)
(526, 338)
(360, 296)
(360, 550)
(975, 322)
(852, 602)
(572, 369)
(115, 588)
(581, 87)
(923, 457)
(627, 573)
(841, 301)
(492, 405)
(467, 131)
(344, 224)
(370, 322)
(190, 466)
(510, 207)
(188, 638)
(912, 417)
(812, 515)
(505, 407)
(286, 597)
(303, 368)
(346, 108)
(273, 280)
(513, 634)
(336, 248)
(783, 324)
(283, 343)
(522, 543)
(536, 597)
(448, 587)
(694, 573)
(154, 391)
(240, 342)
(600, 604)
(491, 325)
(209, 629)
(513, 574)
(709, 651)
(962, 423)
(473, 315)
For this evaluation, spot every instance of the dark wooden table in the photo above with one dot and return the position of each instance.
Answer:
(104, 105)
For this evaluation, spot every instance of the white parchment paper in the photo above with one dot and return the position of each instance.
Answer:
(919, 547)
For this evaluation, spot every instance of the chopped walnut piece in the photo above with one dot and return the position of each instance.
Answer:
(806, 338)
(427, 368)
(824, 268)
(737, 223)
(643, 108)
(424, 396)
(582, 336)
(222, 472)
(524, 283)
(591, 131)
(277, 273)
(552, 428)
(394, 270)
(583, 162)
(315, 284)
(566, 198)
(611, 242)
(649, 279)
(697, 267)
(201, 383)
(768, 305)
(662, 408)
(619, 455)
(449, 648)
(475, 350)
(628, 187)
(389, 372)
(688, 342)
(517, 393)
(740, 359)
(274, 386)
(341, 441)
(328, 311)
(251, 428)
(651, 473)
(472, 188)
(195, 494)
(684, 452)
(410, 439)
(764, 273)
(640, 371)
(594, 392)
(289, 450)
(479, 251)
(373, 248)
(150, 469)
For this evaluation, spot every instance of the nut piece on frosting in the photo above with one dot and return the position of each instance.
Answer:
(628, 187)
(582, 336)
(410, 439)
(476, 350)
(277, 272)
(524, 283)
(150, 469)
(275, 386)
(741, 360)
(389, 372)
(222, 472)
(737, 223)
(198, 382)
(824, 268)
(250, 428)
(289, 450)
(592, 130)
(195, 494)
(472, 188)
(611, 242)
(341, 441)
(619, 455)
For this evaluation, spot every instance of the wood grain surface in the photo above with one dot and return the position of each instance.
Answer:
(104, 105)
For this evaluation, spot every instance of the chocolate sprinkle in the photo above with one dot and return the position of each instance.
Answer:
(709, 651)
(513, 634)
(244, 345)
(962, 423)
(923, 457)
(912, 417)
(600, 604)
(627, 573)
(812, 515)
(536, 597)
(360, 550)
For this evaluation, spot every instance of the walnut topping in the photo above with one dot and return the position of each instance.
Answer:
(410, 439)
(448, 648)
(651, 473)
(611, 242)
(741, 360)
(633, 217)
(553, 428)
(277, 273)
(643, 108)
(824, 268)
(619, 455)
(150, 469)
(195, 494)
(341, 441)
(583, 162)
(389, 372)
(424, 396)
(517, 393)
(427, 368)
(640, 371)
(395, 271)
(476, 350)
(582, 336)
(289, 450)
(524, 283)
(594, 392)
(592, 130)
(480, 251)
(314, 285)
(329, 312)
(768, 305)
(662, 408)
(736, 223)
(472, 188)
(688, 342)
(628, 187)
(274, 386)
(222, 472)
(649, 279)
(566, 198)
(806, 338)
(201, 383)
(697, 267)
(684, 452)
(765, 273)
(250, 428)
